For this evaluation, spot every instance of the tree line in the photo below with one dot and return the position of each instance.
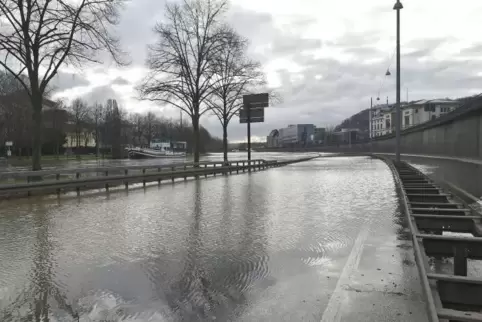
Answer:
(198, 64)
(100, 128)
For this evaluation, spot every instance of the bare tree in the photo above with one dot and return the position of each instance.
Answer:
(78, 113)
(9, 84)
(137, 121)
(38, 36)
(97, 114)
(150, 121)
(235, 76)
(112, 130)
(180, 62)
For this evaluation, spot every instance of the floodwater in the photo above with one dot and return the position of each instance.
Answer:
(321, 240)
(72, 164)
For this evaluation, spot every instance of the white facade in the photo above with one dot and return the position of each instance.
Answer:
(383, 116)
(381, 120)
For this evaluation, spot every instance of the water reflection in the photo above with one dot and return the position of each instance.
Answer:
(41, 295)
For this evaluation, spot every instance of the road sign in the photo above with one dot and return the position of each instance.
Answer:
(9, 143)
(253, 106)
(256, 100)
(256, 116)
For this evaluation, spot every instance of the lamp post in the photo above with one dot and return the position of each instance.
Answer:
(398, 6)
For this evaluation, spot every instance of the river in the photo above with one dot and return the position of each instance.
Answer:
(321, 240)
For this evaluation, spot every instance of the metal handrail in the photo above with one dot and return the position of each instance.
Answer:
(74, 171)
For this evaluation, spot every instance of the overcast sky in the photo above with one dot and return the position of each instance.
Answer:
(326, 58)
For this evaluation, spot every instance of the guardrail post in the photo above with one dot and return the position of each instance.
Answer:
(159, 179)
(57, 177)
(172, 177)
(77, 188)
(28, 181)
(214, 171)
(126, 183)
(205, 172)
(243, 166)
(460, 261)
(185, 177)
(143, 180)
(237, 166)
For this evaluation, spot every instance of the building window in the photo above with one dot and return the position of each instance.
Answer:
(416, 110)
(407, 120)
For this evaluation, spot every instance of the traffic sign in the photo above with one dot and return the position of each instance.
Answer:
(256, 100)
(255, 116)
(9, 143)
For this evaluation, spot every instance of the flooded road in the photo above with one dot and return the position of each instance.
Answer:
(322, 240)
(92, 163)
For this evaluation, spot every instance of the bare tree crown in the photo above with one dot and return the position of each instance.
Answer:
(38, 36)
(234, 75)
(180, 62)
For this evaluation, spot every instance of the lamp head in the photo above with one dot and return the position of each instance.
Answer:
(398, 5)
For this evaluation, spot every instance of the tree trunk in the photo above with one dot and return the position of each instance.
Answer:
(225, 142)
(37, 131)
(97, 143)
(196, 138)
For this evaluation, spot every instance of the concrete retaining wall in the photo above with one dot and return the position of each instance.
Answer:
(457, 134)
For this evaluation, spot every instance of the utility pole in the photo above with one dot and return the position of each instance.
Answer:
(398, 6)
(248, 112)
(370, 132)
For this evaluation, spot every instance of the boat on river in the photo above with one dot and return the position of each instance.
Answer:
(159, 149)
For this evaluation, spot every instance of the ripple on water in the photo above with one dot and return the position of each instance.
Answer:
(162, 255)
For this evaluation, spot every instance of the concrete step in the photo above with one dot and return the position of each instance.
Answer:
(443, 211)
(429, 205)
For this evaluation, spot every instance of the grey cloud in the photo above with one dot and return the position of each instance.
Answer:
(120, 81)
(137, 21)
(63, 81)
(356, 39)
(364, 52)
(101, 94)
(474, 50)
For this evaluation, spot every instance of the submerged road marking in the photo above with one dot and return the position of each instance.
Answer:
(333, 309)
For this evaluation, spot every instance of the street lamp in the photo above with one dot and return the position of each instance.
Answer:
(398, 6)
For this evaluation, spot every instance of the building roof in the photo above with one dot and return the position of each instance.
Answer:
(434, 101)
(274, 133)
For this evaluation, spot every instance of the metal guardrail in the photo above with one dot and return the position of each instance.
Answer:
(454, 297)
(43, 184)
(77, 172)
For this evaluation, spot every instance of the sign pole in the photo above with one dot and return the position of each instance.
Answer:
(248, 112)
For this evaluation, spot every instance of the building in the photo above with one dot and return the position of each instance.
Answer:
(296, 134)
(347, 136)
(383, 116)
(272, 140)
(426, 110)
(319, 135)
